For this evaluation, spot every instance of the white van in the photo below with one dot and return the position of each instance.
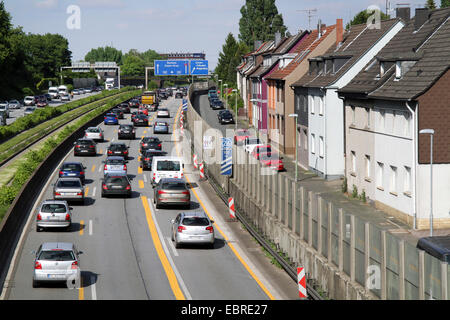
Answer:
(53, 92)
(62, 90)
(166, 167)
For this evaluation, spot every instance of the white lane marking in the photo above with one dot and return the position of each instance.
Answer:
(145, 178)
(93, 289)
(90, 227)
(93, 192)
(99, 168)
(112, 140)
(169, 257)
(169, 241)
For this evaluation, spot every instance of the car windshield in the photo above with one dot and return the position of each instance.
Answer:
(149, 140)
(116, 180)
(53, 208)
(270, 156)
(69, 184)
(168, 165)
(195, 221)
(71, 167)
(29, 109)
(227, 115)
(57, 255)
(173, 186)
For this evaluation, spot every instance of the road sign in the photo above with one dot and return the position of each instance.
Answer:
(231, 209)
(199, 67)
(171, 67)
(301, 279)
(185, 105)
(226, 166)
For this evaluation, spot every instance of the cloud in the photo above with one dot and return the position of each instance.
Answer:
(46, 3)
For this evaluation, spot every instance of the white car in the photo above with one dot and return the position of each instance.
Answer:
(29, 101)
(65, 97)
(250, 143)
(14, 104)
(163, 113)
(94, 133)
(4, 106)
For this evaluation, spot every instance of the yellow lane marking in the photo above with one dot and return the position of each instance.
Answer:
(93, 168)
(139, 158)
(81, 289)
(162, 256)
(141, 184)
(140, 170)
(145, 131)
(86, 191)
(271, 297)
(81, 227)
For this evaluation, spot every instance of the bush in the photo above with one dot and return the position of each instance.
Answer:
(344, 186)
(363, 196)
(355, 192)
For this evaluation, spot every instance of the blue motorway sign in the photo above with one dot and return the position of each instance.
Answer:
(226, 165)
(199, 67)
(171, 67)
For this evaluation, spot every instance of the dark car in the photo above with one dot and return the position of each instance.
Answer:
(48, 97)
(85, 147)
(161, 127)
(126, 131)
(125, 108)
(111, 118)
(118, 112)
(163, 95)
(213, 96)
(141, 120)
(72, 170)
(226, 118)
(179, 95)
(436, 246)
(42, 102)
(216, 104)
(147, 157)
(150, 143)
(118, 149)
(134, 103)
(116, 184)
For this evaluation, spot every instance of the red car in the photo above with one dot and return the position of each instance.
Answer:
(258, 150)
(272, 160)
(143, 110)
(240, 136)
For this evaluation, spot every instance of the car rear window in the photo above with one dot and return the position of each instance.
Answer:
(263, 149)
(253, 141)
(57, 255)
(174, 186)
(168, 165)
(116, 180)
(84, 142)
(72, 167)
(53, 208)
(93, 130)
(69, 184)
(114, 161)
(117, 147)
(195, 221)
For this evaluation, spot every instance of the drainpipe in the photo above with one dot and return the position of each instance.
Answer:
(415, 128)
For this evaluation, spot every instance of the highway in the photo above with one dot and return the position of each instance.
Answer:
(126, 248)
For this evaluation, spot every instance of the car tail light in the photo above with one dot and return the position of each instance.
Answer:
(181, 228)
(159, 145)
(74, 265)
(128, 187)
(105, 167)
(39, 217)
(79, 193)
(61, 172)
(57, 193)
(210, 228)
(182, 174)
(109, 152)
(67, 217)
(161, 192)
(77, 146)
(91, 146)
(37, 265)
(125, 152)
(104, 187)
(81, 172)
(185, 192)
(147, 159)
(124, 167)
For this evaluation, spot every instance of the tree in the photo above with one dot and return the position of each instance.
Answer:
(104, 54)
(226, 58)
(445, 3)
(132, 65)
(363, 17)
(430, 4)
(260, 20)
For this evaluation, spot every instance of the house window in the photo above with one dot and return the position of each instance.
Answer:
(313, 143)
(380, 174)
(353, 153)
(321, 147)
(311, 102)
(393, 184)
(321, 106)
(367, 117)
(407, 185)
(367, 166)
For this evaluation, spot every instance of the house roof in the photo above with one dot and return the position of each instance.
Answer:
(265, 47)
(303, 50)
(357, 41)
(429, 47)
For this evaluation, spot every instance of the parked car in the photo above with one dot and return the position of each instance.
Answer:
(111, 118)
(29, 101)
(118, 149)
(126, 131)
(250, 143)
(73, 170)
(95, 133)
(140, 120)
(272, 160)
(163, 113)
(240, 135)
(170, 191)
(116, 184)
(147, 157)
(150, 143)
(69, 189)
(258, 150)
(53, 214)
(436, 246)
(192, 228)
(57, 262)
(15, 104)
(29, 110)
(226, 118)
(114, 164)
(85, 147)
(4, 107)
(161, 128)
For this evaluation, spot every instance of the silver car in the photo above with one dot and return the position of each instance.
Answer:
(14, 104)
(29, 101)
(57, 262)
(172, 191)
(69, 189)
(53, 214)
(193, 228)
(163, 113)
(115, 164)
(65, 97)
(94, 133)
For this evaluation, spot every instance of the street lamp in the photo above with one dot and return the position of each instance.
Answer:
(431, 133)
(235, 108)
(226, 96)
(294, 115)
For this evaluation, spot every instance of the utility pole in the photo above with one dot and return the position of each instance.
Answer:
(310, 15)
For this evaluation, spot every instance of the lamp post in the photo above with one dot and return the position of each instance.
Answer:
(235, 108)
(294, 115)
(226, 96)
(431, 133)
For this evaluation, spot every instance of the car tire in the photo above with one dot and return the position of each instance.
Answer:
(177, 245)
(35, 284)
(211, 245)
(103, 195)
(39, 229)
(158, 206)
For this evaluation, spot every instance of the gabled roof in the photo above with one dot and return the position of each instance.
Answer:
(357, 41)
(429, 46)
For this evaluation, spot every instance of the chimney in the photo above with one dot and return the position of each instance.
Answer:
(339, 31)
(277, 38)
(403, 13)
(319, 29)
(422, 15)
(258, 44)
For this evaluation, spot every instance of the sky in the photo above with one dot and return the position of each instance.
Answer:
(168, 25)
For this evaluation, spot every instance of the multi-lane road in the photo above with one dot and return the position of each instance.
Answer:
(126, 248)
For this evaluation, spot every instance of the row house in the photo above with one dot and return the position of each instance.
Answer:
(403, 89)
(319, 89)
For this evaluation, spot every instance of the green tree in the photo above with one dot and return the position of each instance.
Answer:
(226, 60)
(260, 20)
(445, 3)
(104, 54)
(363, 17)
(132, 65)
(430, 4)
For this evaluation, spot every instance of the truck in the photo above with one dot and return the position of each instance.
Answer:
(149, 97)
(62, 90)
(53, 92)
(109, 83)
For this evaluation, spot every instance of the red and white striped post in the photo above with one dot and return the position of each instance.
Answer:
(195, 162)
(231, 209)
(202, 171)
(301, 279)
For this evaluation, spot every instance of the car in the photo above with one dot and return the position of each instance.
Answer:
(213, 96)
(126, 131)
(125, 108)
(118, 149)
(15, 104)
(114, 164)
(57, 262)
(118, 112)
(272, 160)
(221, 112)
(133, 115)
(69, 189)
(143, 110)
(192, 227)
(240, 135)
(87, 90)
(140, 120)
(48, 96)
(226, 118)
(216, 104)
(116, 184)
(166, 167)
(4, 107)
(212, 92)
(163, 95)
(65, 97)
(171, 191)
(29, 101)
(53, 214)
(258, 150)
(111, 118)
(94, 133)
(147, 157)
(161, 128)
(76, 92)
(179, 95)
(3, 121)
(436, 246)
(153, 107)
(85, 147)
(250, 143)
(134, 103)
(73, 170)
(163, 113)
(29, 110)
(150, 143)
(42, 102)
